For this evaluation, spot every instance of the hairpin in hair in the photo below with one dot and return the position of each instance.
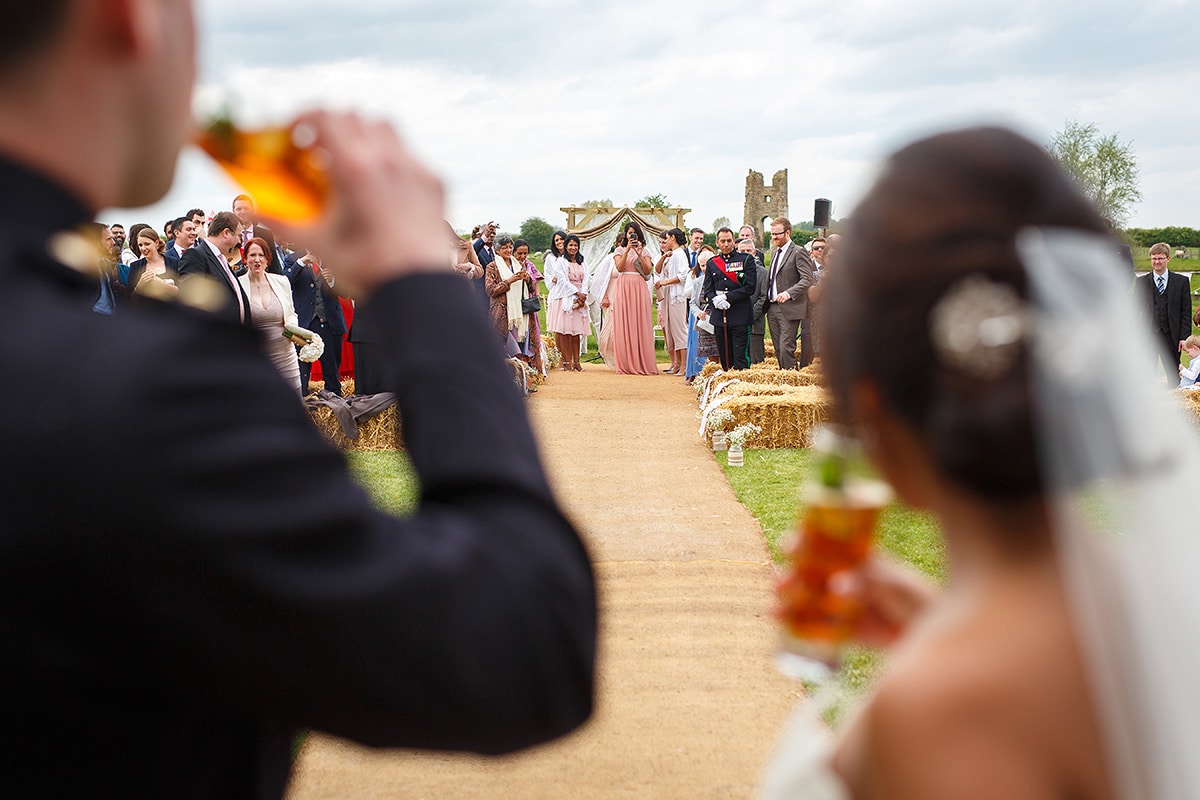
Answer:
(978, 327)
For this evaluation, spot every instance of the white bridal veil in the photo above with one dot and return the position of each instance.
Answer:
(1122, 463)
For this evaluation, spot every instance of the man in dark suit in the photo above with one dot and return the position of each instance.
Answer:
(729, 281)
(242, 587)
(185, 236)
(243, 209)
(208, 261)
(319, 310)
(789, 276)
(758, 330)
(1167, 302)
(486, 254)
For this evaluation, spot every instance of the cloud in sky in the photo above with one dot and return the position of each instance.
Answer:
(527, 107)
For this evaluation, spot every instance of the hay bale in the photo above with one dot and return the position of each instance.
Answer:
(786, 415)
(777, 377)
(769, 347)
(380, 432)
(748, 389)
(711, 379)
(318, 386)
(1190, 400)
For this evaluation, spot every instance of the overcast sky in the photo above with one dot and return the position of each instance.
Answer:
(527, 107)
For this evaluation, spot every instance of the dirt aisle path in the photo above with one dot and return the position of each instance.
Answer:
(688, 702)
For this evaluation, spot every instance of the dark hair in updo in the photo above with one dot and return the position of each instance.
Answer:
(943, 208)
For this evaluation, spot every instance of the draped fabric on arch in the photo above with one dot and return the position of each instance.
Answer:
(596, 240)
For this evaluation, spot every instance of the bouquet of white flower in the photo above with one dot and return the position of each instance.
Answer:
(738, 436)
(312, 346)
(719, 419)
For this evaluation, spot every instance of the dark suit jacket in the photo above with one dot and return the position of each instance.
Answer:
(738, 291)
(794, 276)
(171, 257)
(200, 260)
(1179, 303)
(758, 301)
(480, 283)
(166, 596)
(306, 287)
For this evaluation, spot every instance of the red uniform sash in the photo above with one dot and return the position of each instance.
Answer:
(719, 263)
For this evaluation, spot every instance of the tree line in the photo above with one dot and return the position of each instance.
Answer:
(1173, 235)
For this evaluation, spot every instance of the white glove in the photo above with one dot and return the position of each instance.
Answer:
(720, 302)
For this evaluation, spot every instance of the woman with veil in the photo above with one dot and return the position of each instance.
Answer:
(1017, 402)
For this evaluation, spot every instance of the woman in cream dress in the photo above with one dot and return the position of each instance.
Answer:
(603, 281)
(271, 308)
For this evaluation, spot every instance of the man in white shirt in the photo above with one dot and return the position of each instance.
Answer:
(185, 237)
(786, 299)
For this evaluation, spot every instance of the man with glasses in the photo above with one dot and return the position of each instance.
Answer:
(1168, 304)
(786, 300)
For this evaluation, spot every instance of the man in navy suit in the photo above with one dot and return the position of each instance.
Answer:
(185, 237)
(210, 260)
(319, 310)
(1167, 301)
(243, 587)
(483, 249)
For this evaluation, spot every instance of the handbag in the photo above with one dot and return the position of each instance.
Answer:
(531, 305)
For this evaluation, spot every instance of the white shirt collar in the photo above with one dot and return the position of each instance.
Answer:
(220, 256)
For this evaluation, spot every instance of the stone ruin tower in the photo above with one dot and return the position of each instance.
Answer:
(765, 202)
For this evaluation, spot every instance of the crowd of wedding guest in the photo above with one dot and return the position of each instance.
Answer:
(713, 303)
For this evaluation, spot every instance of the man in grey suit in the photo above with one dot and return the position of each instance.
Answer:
(786, 303)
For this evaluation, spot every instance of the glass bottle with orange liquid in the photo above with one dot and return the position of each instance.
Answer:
(835, 531)
(276, 165)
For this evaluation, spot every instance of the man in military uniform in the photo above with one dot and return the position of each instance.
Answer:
(173, 610)
(729, 281)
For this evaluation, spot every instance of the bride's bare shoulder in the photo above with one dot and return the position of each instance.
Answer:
(986, 709)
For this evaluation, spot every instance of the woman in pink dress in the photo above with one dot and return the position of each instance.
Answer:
(567, 314)
(633, 329)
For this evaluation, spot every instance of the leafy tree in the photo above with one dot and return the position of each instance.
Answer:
(1173, 235)
(605, 203)
(721, 222)
(653, 201)
(1103, 166)
(802, 237)
(537, 232)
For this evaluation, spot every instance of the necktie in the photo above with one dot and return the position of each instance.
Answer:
(237, 289)
(776, 263)
(692, 259)
(1162, 284)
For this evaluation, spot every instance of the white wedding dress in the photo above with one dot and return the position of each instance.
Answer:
(1119, 462)
(800, 768)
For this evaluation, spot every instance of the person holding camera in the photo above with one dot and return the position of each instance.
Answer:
(509, 284)
(633, 328)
